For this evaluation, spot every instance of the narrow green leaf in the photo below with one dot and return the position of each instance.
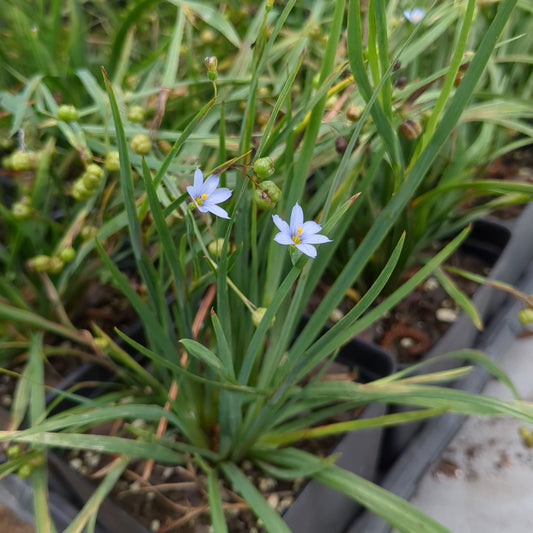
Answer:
(459, 297)
(240, 483)
(204, 354)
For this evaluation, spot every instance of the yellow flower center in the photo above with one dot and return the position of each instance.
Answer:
(200, 199)
(296, 238)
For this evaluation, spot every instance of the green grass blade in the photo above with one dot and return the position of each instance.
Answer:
(459, 297)
(240, 483)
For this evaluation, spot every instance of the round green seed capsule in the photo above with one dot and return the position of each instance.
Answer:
(88, 232)
(112, 161)
(56, 265)
(21, 161)
(354, 112)
(20, 210)
(25, 471)
(67, 113)
(264, 168)
(136, 113)
(79, 191)
(267, 195)
(67, 254)
(141, 144)
(13, 451)
(39, 263)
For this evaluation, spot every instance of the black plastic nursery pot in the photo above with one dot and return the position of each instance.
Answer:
(319, 508)
(409, 450)
(425, 449)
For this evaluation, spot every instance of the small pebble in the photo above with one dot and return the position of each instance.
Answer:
(155, 525)
(266, 484)
(336, 315)
(76, 463)
(446, 315)
(431, 284)
(135, 486)
(273, 500)
(406, 342)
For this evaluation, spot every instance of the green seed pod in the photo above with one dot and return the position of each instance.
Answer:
(56, 265)
(21, 161)
(264, 168)
(95, 170)
(39, 263)
(354, 112)
(79, 191)
(269, 5)
(67, 254)
(24, 471)
(215, 247)
(527, 436)
(101, 342)
(88, 232)
(90, 181)
(141, 144)
(411, 129)
(267, 195)
(21, 210)
(67, 113)
(112, 161)
(36, 460)
(136, 113)
(258, 314)
(525, 315)
(13, 451)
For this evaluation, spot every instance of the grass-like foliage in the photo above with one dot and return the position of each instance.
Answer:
(324, 139)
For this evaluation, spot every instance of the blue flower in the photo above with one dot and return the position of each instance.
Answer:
(300, 234)
(414, 16)
(206, 195)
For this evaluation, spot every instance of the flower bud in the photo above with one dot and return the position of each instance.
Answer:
(136, 113)
(525, 315)
(354, 112)
(267, 195)
(264, 168)
(112, 161)
(67, 254)
(269, 5)
(411, 129)
(67, 113)
(141, 144)
(211, 63)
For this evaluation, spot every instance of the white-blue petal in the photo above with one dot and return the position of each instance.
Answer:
(216, 210)
(314, 239)
(281, 224)
(307, 249)
(210, 184)
(283, 238)
(198, 179)
(297, 218)
(310, 227)
(219, 195)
